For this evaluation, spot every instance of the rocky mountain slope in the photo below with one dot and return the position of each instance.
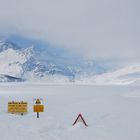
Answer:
(32, 63)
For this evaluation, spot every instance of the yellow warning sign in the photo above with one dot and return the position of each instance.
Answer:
(38, 101)
(38, 108)
(17, 107)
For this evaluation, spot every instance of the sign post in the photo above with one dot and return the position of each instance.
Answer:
(37, 114)
(38, 107)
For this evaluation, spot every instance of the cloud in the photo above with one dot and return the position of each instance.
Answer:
(94, 28)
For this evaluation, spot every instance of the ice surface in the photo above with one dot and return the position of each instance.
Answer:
(111, 112)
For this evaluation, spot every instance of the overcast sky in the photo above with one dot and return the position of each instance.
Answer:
(93, 28)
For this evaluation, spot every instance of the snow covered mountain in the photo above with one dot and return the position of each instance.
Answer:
(48, 64)
(122, 76)
(5, 44)
(36, 63)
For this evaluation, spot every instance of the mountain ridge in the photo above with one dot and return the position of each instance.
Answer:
(32, 62)
(47, 64)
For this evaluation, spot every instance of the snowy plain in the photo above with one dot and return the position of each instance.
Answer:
(111, 112)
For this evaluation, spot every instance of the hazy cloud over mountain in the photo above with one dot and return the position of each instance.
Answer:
(93, 28)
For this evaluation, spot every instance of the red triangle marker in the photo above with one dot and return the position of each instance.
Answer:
(80, 119)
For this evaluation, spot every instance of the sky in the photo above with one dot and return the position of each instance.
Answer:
(95, 29)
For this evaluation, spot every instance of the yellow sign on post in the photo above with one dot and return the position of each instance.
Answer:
(38, 107)
(17, 107)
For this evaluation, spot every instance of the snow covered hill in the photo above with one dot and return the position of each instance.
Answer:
(122, 76)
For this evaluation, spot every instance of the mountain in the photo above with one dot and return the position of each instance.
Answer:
(43, 63)
(122, 76)
(6, 44)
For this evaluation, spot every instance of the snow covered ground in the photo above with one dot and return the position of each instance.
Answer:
(111, 112)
